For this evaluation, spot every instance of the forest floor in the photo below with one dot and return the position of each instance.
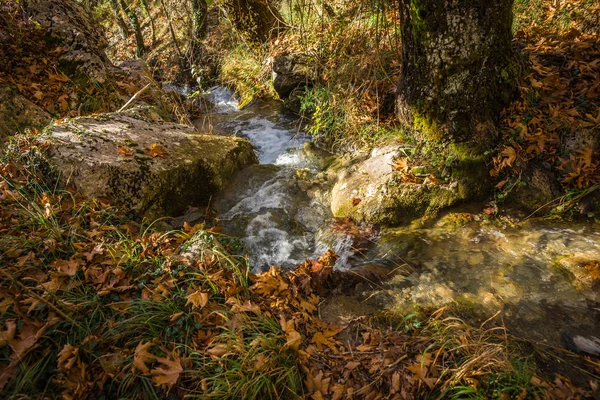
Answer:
(96, 305)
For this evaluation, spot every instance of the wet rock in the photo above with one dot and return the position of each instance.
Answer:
(581, 340)
(583, 271)
(145, 165)
(316, 156)
(371, 190)
(291, 71)
(590, 203)
(69, 26)
(343, 309)
(18, 113)
(192, 216)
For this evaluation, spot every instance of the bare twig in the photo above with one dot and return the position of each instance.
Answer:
(135, 96)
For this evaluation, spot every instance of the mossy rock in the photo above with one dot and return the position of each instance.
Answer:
(17, 113)
(145, 165)
(371, 190)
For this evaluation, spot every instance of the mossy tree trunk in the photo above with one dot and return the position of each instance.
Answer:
(137, 30)
(256, 20)
(199, 12)
(116, 9)
(456, 70)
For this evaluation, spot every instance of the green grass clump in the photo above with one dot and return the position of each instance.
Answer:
(242, 69)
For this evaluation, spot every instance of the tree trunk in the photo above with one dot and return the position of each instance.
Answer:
(144, 6)
(116, 9)
(199, 12)
(256, 20)
(135, 25)
(173, 36)
(456, 70)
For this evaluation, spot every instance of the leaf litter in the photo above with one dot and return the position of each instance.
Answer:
(95, 304)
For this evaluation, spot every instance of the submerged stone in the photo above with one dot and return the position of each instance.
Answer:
(143, 164)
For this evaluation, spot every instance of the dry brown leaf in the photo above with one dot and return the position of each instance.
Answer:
(67, 357)
(168, 375)
(8, 334)
(198, 299)
(218, 350)
(66, 267)
(142, 356)
(25, 341)
(247, 306)
(400, 164)
(292, 335)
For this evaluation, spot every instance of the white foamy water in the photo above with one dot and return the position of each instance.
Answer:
(223, 100)
(268, 205)
(270, 138)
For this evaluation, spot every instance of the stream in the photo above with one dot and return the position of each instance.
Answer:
(534, 272)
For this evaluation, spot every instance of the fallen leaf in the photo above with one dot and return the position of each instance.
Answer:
(8, 334)
(292, 335)
(66, 267)
(489, 210)
(125, 151)
(142, 356)
(501, 184)
(67, 357)
(168, 375)
(198, 299)
(156, 150)
(217, 351)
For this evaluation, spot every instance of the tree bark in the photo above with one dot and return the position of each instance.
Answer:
(173, 36)
(456, 71)
(256, 20)
(137, 30)
(199, 12)
(144, 6)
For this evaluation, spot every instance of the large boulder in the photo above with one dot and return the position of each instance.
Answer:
(143, 164)
(17, 112)
(538, 188)
(291, 71)
(82, 43)
(371, 190)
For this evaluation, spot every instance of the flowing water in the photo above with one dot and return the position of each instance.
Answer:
(534, 272)
(274, 206)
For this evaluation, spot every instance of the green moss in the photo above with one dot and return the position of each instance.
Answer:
(426, 124)
(441, 198)
(425, 15)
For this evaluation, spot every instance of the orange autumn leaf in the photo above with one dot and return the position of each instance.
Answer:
(157, 150)
(325, 338)
(400, 164)
(125, 151)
